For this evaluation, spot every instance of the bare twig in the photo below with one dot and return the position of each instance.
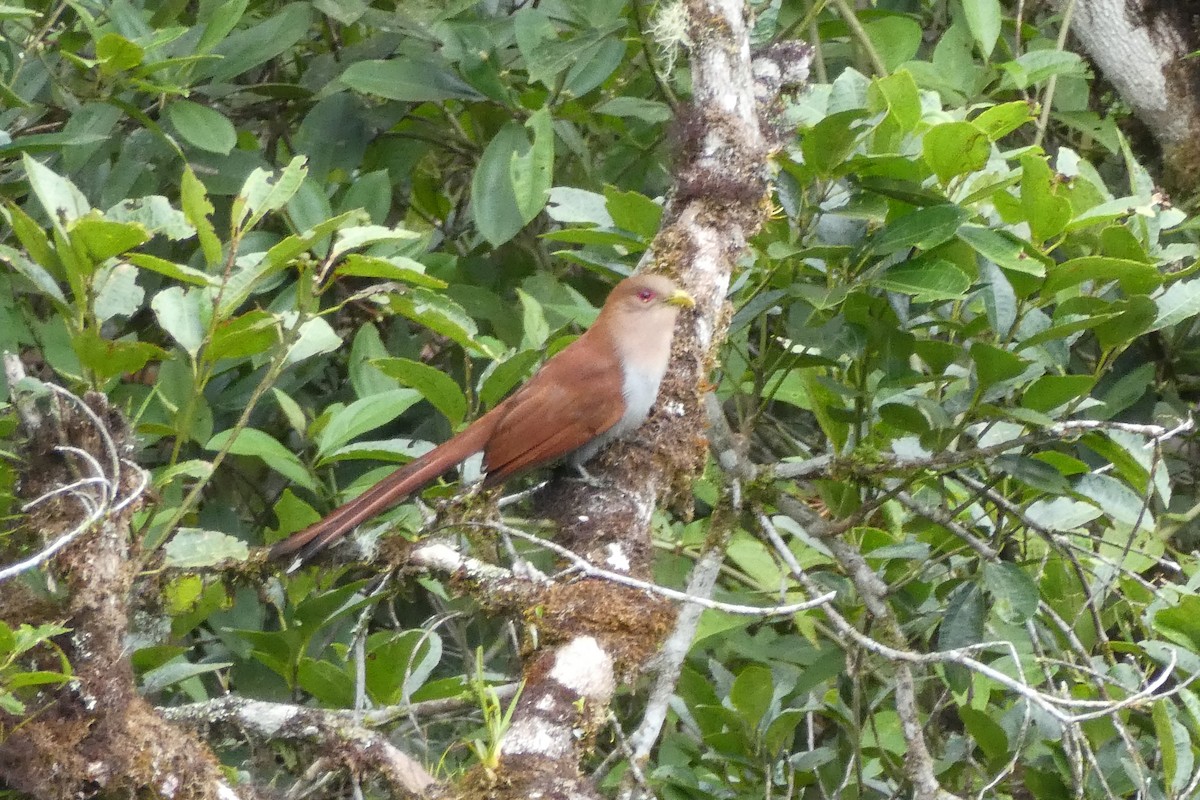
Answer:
(964, 656)
(883, 463)
(587, 569)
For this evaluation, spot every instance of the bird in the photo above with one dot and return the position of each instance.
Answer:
(596, 390)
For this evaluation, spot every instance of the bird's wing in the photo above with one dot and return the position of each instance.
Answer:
(570, 401)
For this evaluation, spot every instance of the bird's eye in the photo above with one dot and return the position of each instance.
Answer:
(645, 295)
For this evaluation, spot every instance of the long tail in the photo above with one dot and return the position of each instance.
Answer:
(390, 491)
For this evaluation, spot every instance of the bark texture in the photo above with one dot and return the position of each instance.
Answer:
(1142, 48)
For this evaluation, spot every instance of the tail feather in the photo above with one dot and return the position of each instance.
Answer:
(390, 491)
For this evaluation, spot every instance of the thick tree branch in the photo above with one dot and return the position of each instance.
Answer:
(95, 731)
(337, 736)
(1144, 49)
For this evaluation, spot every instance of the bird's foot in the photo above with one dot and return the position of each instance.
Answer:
(587, 478)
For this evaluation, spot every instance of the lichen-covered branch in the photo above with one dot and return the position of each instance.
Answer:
(96, 731)
(339, 740)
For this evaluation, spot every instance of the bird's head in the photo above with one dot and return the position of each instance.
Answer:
(648, 296)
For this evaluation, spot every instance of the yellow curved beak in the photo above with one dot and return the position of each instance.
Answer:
(680, 298)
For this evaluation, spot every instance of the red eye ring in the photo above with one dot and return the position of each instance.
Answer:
(645, 295)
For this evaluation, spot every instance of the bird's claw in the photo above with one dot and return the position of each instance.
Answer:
(587, 478)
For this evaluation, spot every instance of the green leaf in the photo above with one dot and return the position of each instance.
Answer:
(1125, 391)
(1045, 209)
(218, 22)
(531, 171)
(1032, 472)
(313, 238)
(372, 193)
(108, 358)
(364, 376)
(993, 364)
(316, 337)
(331, 686)
(256, 443)
(1180, 623)
(31, 236)
(962, 626)
(1135, 318)
(347, 12)
(962, 623)
(1035, 66)
(291, 410)
(39, 277)
(1001, 248)
(535, 328)
(507, 374)
(117, 292)
(184, 315)
(1134, 277)
(1179, 302)
(202, 126)
(955, 148)
(35, 678)
(896, 38)
(1165, 735)
(926, 280)
(364, 415)
(245, 49)
(987, 732)
(434, 385)
(102, 239)
(192, 468)
(633, 212)
(359, 236)
(924, 228)
(174, 672)
(828, 144)
(999, 298)
(61, 200)
(409, 80)
(10, 704)
(399, 664)
(751, 693)
(1004, 118)
(198, 210)
(545, 55)
(494, 205)
(391, 268)
(441, 315)
(265, 191)
(1115, 499)
(983, 20)
(170, 269)
(651, 111)
(1014, 594)
(599, 58)
(1061, 513)
(153, 213)
(250, 334)
(192, 548)
(781, 732)
(117, 54)
(899, 96)
(1051, 391)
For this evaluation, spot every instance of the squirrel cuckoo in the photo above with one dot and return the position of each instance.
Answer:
(597, 389)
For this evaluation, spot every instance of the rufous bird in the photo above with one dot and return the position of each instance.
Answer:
(597, 389)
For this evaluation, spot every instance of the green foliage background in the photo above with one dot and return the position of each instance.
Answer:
(298, 242)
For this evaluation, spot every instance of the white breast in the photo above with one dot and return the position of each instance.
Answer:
(640, 390)
(644, 347)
